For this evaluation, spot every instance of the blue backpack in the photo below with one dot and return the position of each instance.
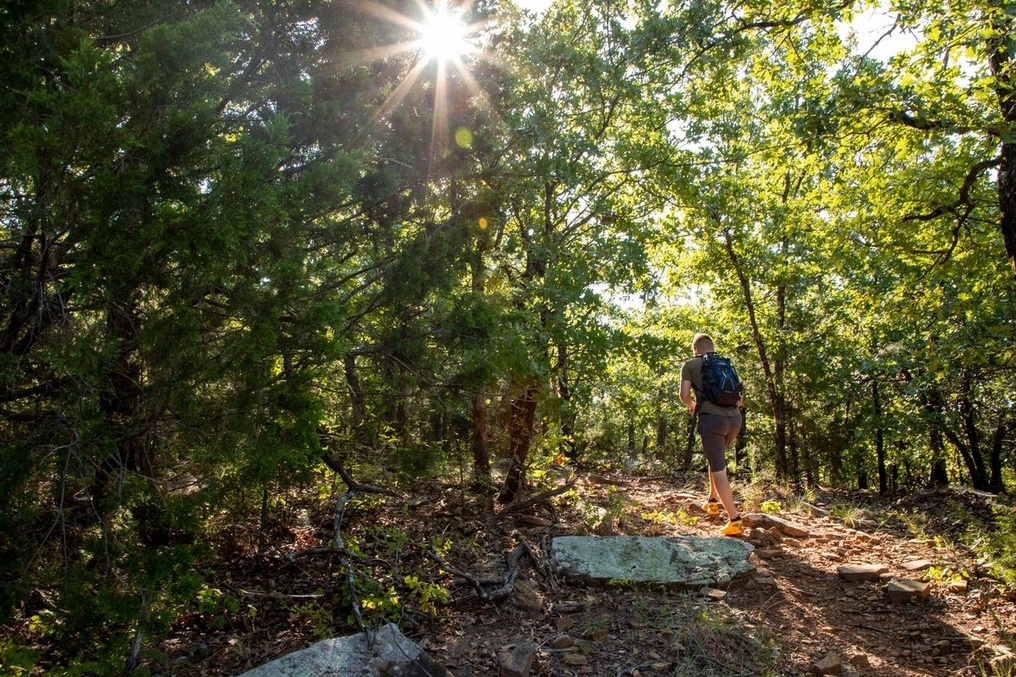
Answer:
(720, 383)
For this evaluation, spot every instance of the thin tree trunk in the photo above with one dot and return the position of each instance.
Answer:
(772, 387)
(564, 392)
(883, 477)
(520, 435)
(481, 451)
(978, 470)
(358, 404)
(995, 482)
(933, 406)
(1002, 47)
(120, 403)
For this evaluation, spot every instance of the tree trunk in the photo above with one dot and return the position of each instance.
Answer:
(933, 406)
(520, 435)
(564, 392)
(970, 448)
(120, 403)
(995, 483)
(481, 452)
(876, 401)
(1002, 48)
(978, 470)
(661, 420)
(771, 379)
(358, 404)
(631, 437)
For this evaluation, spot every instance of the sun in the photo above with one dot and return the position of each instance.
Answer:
(441, 44)
(444, 36)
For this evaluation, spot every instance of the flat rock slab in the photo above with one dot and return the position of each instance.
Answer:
(905, 590)
(391, 654)
(678, 561)
(862, 572)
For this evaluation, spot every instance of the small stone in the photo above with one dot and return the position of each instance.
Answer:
(830, 664)
(815, 511)
(562, 642)
(769, 553)
(519, 661)
(528, 596)
(905, 590)
(959, 587)
(575, 659)
(861, 572)
(860, 661)
(916, 565)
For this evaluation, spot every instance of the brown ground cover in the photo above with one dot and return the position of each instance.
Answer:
(795, 612)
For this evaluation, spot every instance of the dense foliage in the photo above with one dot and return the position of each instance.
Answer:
(238, 235)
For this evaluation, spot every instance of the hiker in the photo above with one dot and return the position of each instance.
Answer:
(718, 426)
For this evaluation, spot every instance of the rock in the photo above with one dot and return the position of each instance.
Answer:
(563, 642)
(575, 659)
(860, 662)
(762, 520)
(905, 590)
(916, 565)
(814, 510)
(714, 594)
(861, 572)
(959, 587)
(678, 561)
(830, 664)
(528, 596)
(391, 654)
(770, 553)
(519, 661)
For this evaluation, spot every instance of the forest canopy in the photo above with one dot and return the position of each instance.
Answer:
(239, 239)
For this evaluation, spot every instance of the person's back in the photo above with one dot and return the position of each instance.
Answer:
(718, 426)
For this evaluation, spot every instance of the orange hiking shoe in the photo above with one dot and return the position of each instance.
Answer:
(712, 507)
(733, 528)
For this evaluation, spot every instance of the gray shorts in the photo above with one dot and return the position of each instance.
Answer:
(717, 433)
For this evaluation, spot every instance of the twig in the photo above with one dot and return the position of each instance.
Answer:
(538, 560)
(135, 655)
(339, 551)
(432, 553)
(538, 498)
(347, 558)
(505, 584)
(335, 463)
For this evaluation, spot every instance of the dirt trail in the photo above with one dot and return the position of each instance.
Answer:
(797, 602)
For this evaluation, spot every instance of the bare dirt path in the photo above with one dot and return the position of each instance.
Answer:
(795, 612)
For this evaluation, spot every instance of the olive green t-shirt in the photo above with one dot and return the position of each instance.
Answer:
(692, 371)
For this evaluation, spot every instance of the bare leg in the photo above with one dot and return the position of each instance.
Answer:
(712, 487)
(718, 482)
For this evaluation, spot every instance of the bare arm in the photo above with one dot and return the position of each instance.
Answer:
(686, 396)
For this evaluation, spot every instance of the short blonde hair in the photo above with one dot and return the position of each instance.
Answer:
(702, 343)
